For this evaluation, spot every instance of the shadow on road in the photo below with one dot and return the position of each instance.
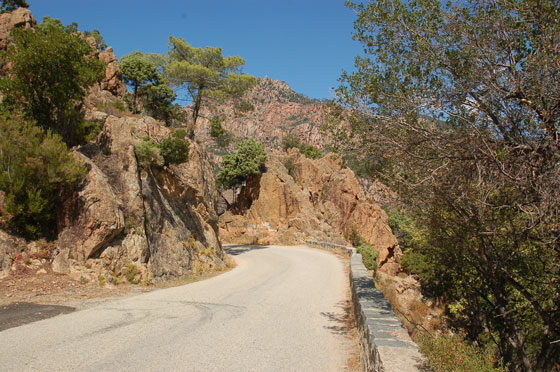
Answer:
(341, 322)
(20, 313)
(236, 250)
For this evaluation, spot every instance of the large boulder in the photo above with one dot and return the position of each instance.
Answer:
(91, 218)
(9, 248)
(338, 194)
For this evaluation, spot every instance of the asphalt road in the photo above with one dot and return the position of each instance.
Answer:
(280, 309)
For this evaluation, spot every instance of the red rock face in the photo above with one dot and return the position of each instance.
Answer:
(322, 201)
(278, 112)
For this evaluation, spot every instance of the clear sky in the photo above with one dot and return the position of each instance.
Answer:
(306, 43)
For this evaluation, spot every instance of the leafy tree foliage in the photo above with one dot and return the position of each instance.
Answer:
(51, 70)
(175, 149)
(311, 152)
(159, 99)
(247, 160)
(369, 256)
(462, 99)
(223, 137)
(99, 40)
(138, 71)
(34, 167)
(205, 73)
(10, 5)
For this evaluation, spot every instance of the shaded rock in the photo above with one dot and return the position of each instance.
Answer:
(90, 219)
(9, 249)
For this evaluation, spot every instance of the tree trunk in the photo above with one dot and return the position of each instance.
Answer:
(134, 110)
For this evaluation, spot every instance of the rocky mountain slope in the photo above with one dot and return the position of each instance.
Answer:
(125, 222)
(144, 223)
(277, 111)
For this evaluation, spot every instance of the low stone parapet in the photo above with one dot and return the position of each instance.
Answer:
(385, 344)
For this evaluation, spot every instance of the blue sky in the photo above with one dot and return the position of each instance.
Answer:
(305, 43)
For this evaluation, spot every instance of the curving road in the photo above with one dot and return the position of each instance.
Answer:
(278, 310)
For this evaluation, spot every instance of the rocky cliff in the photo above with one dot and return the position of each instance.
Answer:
(299, 199)
(161, 220)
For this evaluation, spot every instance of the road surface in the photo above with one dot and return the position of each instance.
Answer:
(280, 309)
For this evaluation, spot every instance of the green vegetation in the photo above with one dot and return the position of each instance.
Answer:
(99, 41)
(132, 273)
(34, 167)
(448, 108)
(247, 161)
(293, 141)
(243, 107)
(447, 353)
(205, 73)
(223, 138)
(290, 167)
(369, 256)
(138, 70)
(159, 99)
(51, 72)
(148, 153)
(175, 149)
(172, 150)
(10, 5)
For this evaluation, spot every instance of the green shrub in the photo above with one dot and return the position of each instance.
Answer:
(354, 237)
(115, 108)
(244, 107)
(131, 273)
(34, 169)
(369, 256)
(175, 150)
(148, 153)
(247, 160)
(446, 353)
(291, 141)
(311, 152)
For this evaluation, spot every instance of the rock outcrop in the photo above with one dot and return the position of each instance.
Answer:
(140, 223)
(320, 201)
(9, 248)
(21, 17)
(113, 74)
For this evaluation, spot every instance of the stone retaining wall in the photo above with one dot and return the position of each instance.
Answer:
(385, 344)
